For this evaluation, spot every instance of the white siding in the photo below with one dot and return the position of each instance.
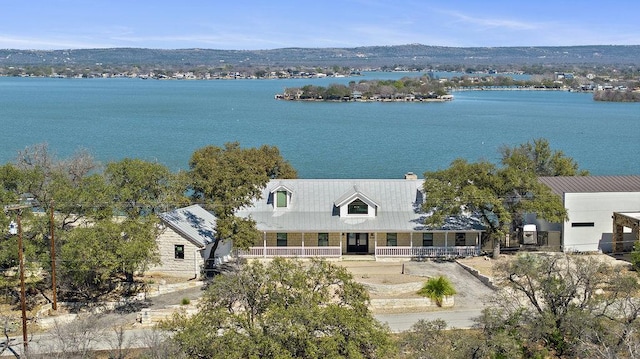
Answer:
(596, 208)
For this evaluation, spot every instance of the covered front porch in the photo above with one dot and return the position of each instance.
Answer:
(444, 244)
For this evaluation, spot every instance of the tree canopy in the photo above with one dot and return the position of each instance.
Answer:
(104, 227)
(229, 178)
(283, 309)
(499, 196)
(537, 156)
(105, 216)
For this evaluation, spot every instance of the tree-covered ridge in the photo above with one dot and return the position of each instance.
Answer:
(405, 89)
(369, 56)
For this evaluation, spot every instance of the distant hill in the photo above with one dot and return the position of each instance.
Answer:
(369, 56)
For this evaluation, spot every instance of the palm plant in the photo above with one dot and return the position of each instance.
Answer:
(436, 289)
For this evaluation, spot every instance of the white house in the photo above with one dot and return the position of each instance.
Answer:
(591, 202)
(335, 217)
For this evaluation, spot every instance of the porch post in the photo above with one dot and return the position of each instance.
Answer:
(264, 247)
(341, 246)
(446, 243)
(303, 244)
(411, 239)
(375, 246)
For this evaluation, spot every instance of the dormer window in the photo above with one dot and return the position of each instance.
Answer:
(282, 199)
(357, 207)
(355, 204)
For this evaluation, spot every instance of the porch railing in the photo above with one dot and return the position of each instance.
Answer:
(256, 252)
(428, 252)
(336, 252)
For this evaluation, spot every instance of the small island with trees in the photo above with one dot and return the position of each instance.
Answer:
(406, 89)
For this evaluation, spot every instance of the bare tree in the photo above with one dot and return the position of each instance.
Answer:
(6, 343)
(77, 339)
(119, 343)
(159, 345)
(567, 305)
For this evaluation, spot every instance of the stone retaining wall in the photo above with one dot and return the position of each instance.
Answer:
(488, 281)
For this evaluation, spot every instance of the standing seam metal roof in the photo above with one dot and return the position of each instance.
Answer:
(589, 184)
(312, 206)
(193, 222)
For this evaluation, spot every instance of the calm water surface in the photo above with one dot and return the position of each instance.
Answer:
(167, 120)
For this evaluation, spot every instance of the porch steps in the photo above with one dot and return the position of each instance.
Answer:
(359, 257)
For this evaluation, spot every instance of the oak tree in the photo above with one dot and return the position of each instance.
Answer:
(498, 196)
(283, 309)
(227, 179)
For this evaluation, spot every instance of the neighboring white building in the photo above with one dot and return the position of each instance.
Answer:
(591, 202)
(185, 242)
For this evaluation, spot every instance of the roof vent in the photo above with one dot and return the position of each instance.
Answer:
(410, 176)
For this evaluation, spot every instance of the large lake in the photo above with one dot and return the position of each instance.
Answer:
(166, 121)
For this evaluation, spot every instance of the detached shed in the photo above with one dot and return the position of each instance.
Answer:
(185, 241)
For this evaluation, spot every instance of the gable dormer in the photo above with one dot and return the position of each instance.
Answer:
(280, 197)
(354, 203)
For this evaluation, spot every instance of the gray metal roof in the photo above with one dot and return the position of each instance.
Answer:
(590, 184)
(193, 222)
(313, 206)
(352, 194)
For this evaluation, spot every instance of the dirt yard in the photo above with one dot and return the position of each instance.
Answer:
(380, 272)
(402, 279)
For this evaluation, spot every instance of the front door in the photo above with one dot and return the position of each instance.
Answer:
(357, 242)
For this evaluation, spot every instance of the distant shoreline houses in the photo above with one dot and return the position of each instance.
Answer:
(357, 96)
(383, 218)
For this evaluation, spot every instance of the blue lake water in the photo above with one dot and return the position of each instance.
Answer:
(167, 120)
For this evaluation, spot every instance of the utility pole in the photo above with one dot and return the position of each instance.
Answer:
(23, 304)
(53, 261)
(23, 301)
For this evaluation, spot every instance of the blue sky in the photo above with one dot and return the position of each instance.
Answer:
(269, 24)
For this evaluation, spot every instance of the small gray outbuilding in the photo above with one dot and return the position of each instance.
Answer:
(187, 235)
